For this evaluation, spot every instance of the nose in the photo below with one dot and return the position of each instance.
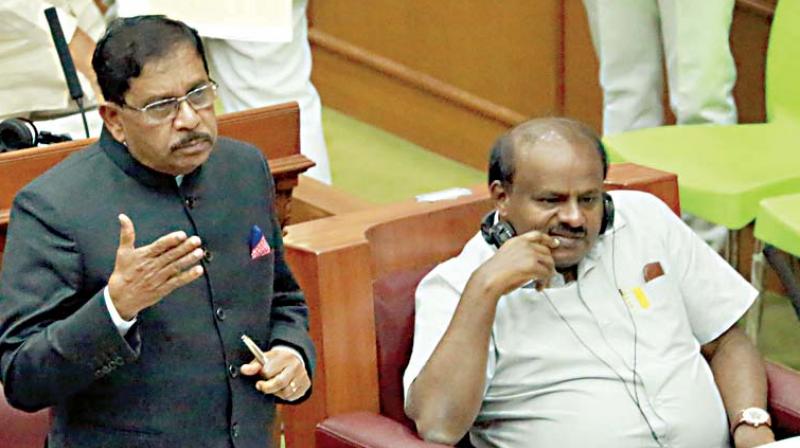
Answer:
(571, 214)
(187, 117)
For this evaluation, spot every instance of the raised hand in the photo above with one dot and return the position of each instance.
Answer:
(143, 276)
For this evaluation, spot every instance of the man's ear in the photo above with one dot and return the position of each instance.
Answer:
(112, 118)
(500, 196)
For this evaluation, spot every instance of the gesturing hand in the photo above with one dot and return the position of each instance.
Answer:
(521, 259)
(143, 276)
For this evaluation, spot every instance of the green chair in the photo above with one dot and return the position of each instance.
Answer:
(725, 171)
(777, 233)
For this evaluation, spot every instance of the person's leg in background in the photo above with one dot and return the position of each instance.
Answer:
(701, 74)
(627, 40)
(257, 74)
(700, 67)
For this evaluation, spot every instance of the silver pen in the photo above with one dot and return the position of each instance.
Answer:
(255, 351)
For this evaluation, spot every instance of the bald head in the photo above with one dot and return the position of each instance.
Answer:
(527, 136)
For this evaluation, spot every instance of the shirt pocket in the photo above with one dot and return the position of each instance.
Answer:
(660, 315)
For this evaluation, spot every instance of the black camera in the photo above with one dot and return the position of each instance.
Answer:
(20, 133)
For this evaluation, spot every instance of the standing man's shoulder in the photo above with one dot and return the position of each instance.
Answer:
(238, 149)
(71, 178)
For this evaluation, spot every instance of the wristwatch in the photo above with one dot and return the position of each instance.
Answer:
(754, 417)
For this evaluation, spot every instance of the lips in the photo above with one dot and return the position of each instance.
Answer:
(193, 146)
(567, 240)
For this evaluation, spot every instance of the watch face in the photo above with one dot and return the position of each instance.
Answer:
(755, 416)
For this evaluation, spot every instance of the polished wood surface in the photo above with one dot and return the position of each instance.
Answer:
(450, 75)
(275, 130)
(336, 260)
(312, 199)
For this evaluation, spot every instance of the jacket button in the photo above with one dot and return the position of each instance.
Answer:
(235, 430)
(208, 256)
(233, 371)
(220, 313)
(190, 202)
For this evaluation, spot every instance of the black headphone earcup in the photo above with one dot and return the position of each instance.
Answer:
(486, 228)
(608, 213)
(16, 133)
(496, 233)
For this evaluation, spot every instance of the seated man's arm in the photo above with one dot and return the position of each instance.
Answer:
(742, 381)
(446, 396)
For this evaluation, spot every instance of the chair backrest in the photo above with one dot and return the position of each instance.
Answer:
(20, 429)
(783, 64)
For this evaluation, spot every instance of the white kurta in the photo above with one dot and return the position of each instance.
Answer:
(256, 74)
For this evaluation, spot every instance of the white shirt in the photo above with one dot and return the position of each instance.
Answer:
(560, 364)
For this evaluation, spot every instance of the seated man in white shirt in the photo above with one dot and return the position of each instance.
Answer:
(606, 322)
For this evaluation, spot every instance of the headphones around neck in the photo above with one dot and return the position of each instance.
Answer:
(498, 233)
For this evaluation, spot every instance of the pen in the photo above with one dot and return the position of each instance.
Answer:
(255, 351)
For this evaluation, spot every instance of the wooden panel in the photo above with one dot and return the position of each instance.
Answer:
(749, 38)
(450, 76)
(502, 51)
(502, 54)
(583, 97)
(448, 128)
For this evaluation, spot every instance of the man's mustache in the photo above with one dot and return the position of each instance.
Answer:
(191, 139)
(569, 232)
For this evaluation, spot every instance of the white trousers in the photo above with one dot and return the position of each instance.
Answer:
(257, 74)
(631, 38)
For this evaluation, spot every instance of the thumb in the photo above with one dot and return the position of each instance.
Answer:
(127, 234)
(251, 368)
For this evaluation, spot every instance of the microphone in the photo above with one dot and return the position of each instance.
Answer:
(73, 84)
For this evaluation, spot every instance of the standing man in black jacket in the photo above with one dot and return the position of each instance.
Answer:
(133, 268)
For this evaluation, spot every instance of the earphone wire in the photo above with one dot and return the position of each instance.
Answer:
(635, 395)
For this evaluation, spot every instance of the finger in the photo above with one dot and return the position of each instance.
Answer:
(181, 279)
(278, 361)
(297, 388)
(549, 241)
(542, 250)
(127, 234)
(276, 383)
(164, 243)
(251, 368)
(547, 262)
(181, 258)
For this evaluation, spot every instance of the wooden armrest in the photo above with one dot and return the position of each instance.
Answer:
(312, 199)
(367, 430)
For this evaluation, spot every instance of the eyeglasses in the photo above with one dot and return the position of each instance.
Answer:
(165, 110)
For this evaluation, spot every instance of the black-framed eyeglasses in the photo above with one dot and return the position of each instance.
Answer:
(160, 111)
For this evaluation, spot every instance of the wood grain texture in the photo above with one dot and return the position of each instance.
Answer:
(451, 76)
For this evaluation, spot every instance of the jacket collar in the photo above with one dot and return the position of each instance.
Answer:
(119, 154)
